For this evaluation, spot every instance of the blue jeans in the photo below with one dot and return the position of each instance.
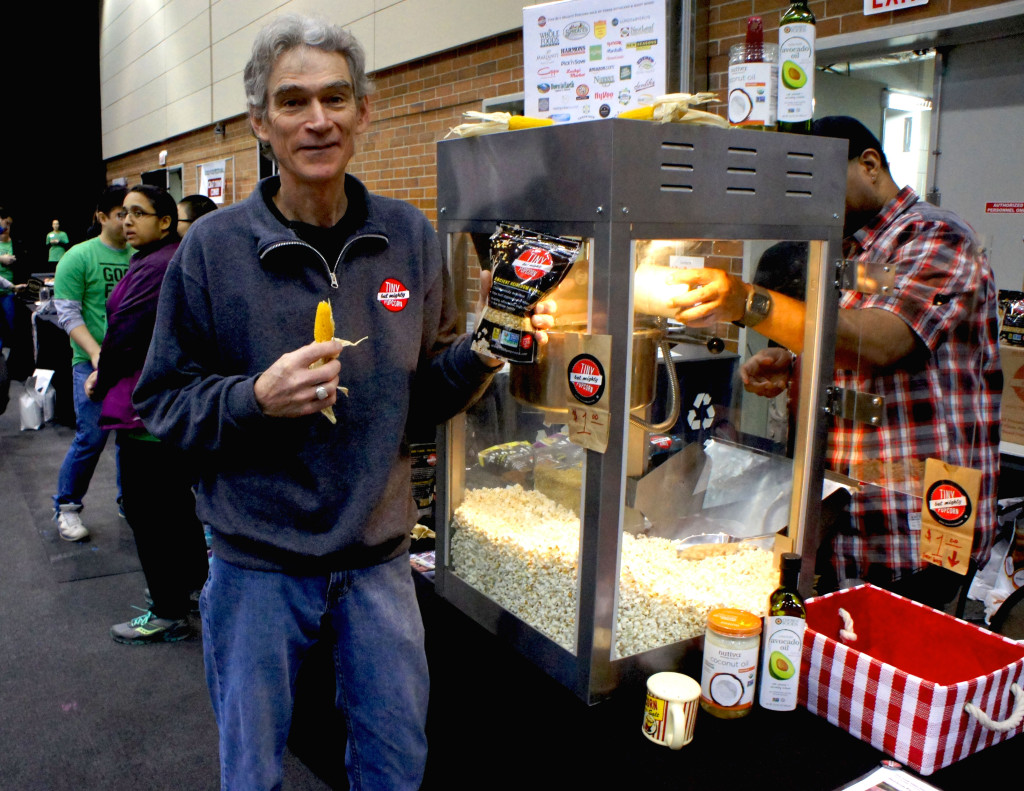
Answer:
(258, 627)
(83, 455)
(6, 319)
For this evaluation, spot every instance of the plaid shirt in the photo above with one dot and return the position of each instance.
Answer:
(946, 407)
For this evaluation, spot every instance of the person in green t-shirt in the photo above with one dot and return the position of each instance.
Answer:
(85, 276)
(56, 243)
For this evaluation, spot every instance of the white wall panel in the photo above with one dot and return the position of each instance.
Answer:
(186, 42)
(169, 66)
(230, 16)
(416, 28)
(190, 112)
(180, 13)
(183, 79)
(228, 97)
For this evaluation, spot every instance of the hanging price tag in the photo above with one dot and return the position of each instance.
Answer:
(948, 514)
(586, 393)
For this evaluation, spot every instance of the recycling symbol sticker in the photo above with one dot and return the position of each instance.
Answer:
(702, 415)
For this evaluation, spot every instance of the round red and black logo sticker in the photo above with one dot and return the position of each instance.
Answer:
(393, 295)
(586, 379)
(948, 503)
(532, 264)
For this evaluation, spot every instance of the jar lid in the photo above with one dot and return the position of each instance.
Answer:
(736, 623)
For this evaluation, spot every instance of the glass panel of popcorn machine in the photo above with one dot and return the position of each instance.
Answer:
(516, 500)
(709, 473)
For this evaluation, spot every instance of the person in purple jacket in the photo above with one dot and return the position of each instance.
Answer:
(156, 480)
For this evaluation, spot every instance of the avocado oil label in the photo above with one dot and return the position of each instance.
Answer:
(796, 72)
(780, 662)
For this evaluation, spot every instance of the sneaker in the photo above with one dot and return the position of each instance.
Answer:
(69, 523)
(147, 628)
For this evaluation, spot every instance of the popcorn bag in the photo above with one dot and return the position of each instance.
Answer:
(923, 687)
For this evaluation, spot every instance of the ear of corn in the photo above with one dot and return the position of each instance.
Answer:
(323, 328)
(524, 122)
(639, 113)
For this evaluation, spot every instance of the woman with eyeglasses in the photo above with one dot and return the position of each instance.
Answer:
(156, 478)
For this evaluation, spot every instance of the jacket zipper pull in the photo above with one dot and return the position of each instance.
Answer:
(334, 280)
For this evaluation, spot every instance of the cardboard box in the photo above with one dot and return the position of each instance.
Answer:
(1012, 411)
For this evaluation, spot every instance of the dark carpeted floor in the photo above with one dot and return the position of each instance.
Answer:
(77, 710)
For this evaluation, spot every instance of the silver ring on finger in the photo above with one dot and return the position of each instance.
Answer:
(321, 392)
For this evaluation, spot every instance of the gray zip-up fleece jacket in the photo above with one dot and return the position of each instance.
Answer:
(302, 495)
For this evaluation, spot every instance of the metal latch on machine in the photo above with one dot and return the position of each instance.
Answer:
(866, 277)
(852, 405)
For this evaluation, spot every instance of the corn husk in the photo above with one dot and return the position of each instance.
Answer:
(487, 123)
(678, 108)
(323, 330)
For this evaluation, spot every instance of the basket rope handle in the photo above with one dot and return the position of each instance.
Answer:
(847, 633)
(1008, 724)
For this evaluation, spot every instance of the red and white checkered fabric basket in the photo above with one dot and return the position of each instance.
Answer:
(924, 687)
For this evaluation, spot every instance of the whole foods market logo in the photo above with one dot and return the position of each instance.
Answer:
(574, 31)
(532, 264)
(586, 379)
(948, 503)
(393, 295)
(549, 38)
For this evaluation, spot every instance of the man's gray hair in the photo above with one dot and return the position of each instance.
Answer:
(288, 32)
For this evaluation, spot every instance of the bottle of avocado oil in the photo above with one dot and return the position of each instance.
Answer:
(783, 640)
(796, 69)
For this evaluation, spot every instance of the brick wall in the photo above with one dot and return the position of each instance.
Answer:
(237, 145)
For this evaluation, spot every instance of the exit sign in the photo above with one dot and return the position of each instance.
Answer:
(881, 6)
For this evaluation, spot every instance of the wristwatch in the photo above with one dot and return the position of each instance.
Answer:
(759, 304)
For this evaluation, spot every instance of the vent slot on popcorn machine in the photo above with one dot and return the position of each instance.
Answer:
(598, 501)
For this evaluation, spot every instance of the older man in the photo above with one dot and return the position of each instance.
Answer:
(310, 519)
(929, 348)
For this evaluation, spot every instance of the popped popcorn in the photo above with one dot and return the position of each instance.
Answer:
(520, 548)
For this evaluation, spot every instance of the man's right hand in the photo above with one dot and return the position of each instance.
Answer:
(767, 372)
(288, 387)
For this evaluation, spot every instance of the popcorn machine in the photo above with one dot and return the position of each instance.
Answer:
(595, 504)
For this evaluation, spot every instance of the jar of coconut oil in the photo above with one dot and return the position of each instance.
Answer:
(731, 642)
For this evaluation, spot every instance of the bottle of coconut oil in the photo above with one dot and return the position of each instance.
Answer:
(796, 69)
(783, 640)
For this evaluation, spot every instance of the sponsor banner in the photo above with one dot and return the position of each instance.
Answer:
(211, 180)
(591, 59)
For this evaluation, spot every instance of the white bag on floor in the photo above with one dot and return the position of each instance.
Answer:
(31, 412)
(39, 390)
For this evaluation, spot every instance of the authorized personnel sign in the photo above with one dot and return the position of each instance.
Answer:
(948, 514)
(881, 6)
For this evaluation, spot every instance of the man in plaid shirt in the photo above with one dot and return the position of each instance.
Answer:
(930, 349)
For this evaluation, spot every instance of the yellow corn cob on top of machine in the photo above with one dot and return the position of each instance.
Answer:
(323, 328)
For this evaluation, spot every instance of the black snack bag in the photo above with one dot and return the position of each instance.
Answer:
(526, 266)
